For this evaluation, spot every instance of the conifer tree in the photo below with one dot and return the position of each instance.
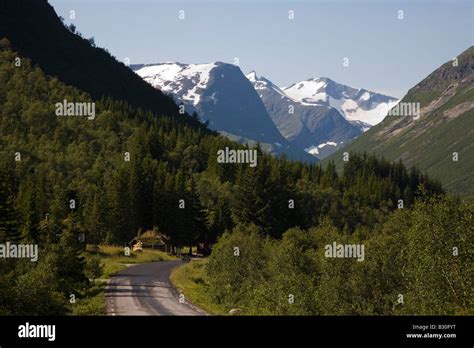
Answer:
(70, 263)
(119, 209)
(256, 198)
(196, 216)
(28, 205)
(96, 218)
(8, 215)
(136, 195)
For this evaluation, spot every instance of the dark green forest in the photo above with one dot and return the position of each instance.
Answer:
(131, 170)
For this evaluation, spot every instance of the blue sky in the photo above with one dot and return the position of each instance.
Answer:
(386, 54)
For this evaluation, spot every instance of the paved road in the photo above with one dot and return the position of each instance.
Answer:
(146, 290)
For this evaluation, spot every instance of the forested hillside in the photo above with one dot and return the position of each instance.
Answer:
(127, 170)
(440, 141)
(137, 164)
(35, 31)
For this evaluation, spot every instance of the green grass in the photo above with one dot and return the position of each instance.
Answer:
(113, 258)
(424, 98)
(191, 280)
(90, 301)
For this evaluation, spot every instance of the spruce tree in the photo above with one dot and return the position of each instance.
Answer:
(8, 215)
(70, 263)
(28, 205)
(96, 218)
(256, 198)
(196, 216)
(119, 209)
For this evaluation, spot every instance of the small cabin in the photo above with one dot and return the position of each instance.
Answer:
(152, 240)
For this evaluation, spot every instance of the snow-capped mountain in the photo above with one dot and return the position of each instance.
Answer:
(185, 81)
(320, 115)
(359, 106)
(312, 117)
(222, 95)
(317, 128)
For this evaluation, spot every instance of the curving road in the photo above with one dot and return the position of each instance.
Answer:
(146, 290)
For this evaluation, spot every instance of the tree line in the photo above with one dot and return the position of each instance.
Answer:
(418, 262)
(102, 181)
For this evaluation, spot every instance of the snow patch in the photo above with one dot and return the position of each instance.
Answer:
(331, 143)
(365, 96)
(252, 76)
(353, 112)
(185, 80)
(312, 150)
(309, 92)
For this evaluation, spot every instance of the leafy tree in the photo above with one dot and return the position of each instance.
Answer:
(439, 272)
(235, 265)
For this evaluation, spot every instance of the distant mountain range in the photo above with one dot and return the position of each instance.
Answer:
(316, 116)
(320, 115)
(440, 139)
(222, 96)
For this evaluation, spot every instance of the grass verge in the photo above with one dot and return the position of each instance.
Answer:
(191, 280)
(90, 301)
(113, 259)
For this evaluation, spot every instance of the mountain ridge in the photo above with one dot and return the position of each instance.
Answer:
(306, 115)
(316, 127)
(223, 97)
(306, 126)
(103, 77)
(445, 127)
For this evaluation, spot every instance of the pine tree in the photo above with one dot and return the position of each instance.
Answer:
(28, 205)
(330, 178)
(70, 263)
(8, 215)
(119, 209)
(136, 196)
(256, 198)
(96, 218)
(196, 216)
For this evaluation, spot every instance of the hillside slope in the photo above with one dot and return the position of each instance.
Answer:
(445, 126)
(35, 31)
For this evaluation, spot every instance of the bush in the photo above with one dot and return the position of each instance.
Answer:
(36, 292)
(93, 268)
(236, 265)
